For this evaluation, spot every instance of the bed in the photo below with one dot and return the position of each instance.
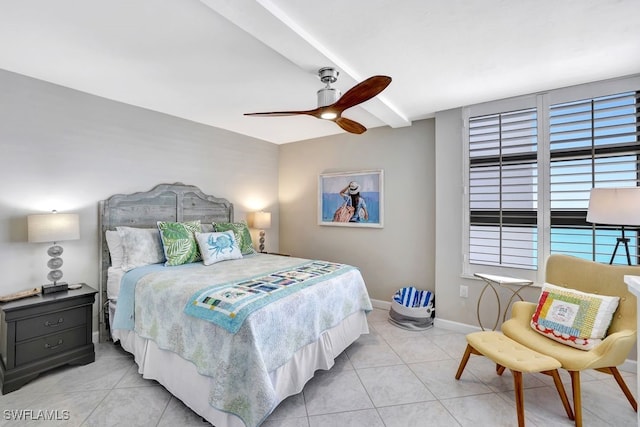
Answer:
(231, 339)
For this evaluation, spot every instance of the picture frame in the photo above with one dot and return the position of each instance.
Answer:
(339, 190)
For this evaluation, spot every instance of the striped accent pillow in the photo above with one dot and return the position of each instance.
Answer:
(572, 317)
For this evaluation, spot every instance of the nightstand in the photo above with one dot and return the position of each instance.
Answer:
(43, 332)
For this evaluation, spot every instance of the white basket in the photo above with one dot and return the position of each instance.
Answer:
(411, 318)
(418, 313)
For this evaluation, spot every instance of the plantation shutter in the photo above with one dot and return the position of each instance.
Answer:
(593, 143)
(503, 189)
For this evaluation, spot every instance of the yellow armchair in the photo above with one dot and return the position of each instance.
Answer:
(592, 277)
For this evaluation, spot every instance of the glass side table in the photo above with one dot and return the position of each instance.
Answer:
(513, 284)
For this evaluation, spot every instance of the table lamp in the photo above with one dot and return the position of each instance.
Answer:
(615, 206)
(54, 227)
(261, 221)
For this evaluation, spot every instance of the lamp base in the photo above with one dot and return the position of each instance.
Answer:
(50, 288)
(625, 241)
(261, 241)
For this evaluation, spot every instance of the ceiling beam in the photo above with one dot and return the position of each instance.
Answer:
(271, 25)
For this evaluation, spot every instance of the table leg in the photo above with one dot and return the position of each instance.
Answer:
(488, 284)
(514, 293)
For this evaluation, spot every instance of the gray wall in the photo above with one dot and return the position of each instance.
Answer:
(400, 254)
(66, 150)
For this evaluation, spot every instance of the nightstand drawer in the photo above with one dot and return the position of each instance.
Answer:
(50, 323)
(50, 345)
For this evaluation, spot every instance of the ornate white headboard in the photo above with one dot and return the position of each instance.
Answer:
(165, 202)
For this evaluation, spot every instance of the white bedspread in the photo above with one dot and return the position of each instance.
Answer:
(240, 363)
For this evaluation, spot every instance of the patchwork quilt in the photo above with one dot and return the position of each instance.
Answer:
(240, 362)
(228, 305)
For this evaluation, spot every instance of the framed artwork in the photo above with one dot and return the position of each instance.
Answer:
(351, 199)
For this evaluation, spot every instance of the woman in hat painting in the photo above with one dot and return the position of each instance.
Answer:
(351, 196)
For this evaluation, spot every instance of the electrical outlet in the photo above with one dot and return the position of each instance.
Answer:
(464, 291)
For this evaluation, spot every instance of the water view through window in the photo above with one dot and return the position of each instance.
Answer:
(519, 180)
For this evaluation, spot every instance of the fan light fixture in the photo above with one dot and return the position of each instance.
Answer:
(331, 104)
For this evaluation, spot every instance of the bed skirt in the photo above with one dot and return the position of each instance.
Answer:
(184, 382)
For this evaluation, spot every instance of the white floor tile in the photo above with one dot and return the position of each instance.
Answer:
(330, 392)
(368, 418)
(431, 414)
(393, 385)
(388, 378)
(486, 410)
(439, 377)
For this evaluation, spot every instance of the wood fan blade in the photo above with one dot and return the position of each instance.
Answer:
(350, 125)
(362, 92)
(315, 112)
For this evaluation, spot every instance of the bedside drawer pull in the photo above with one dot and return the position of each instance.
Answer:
(53, 325)
(51, 347)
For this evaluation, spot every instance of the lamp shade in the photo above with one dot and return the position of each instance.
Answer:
(615, 206)
(262, 220)
(53, 227)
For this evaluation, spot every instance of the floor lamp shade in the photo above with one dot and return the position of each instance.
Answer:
(615, 206)
(53, 227)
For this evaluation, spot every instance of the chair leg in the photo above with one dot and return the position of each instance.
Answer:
(519, 391)
(563, 395)
(499, 369)
(464, 360)
(616, 374)
(577, 398)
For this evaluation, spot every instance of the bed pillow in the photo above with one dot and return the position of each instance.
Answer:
(140, 246)
(114, 280)
(206, 228)
(178, 242)
(241, 233)
(116, 252)
(216, 247)
(572, 317)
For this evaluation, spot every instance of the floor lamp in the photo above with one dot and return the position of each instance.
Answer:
(615, 206)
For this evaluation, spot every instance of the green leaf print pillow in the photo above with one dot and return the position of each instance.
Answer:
(179, 242)
(240, 232)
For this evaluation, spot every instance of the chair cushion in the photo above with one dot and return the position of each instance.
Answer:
(509, 353)
(572, 317)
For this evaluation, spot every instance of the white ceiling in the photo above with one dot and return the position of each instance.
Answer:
(210, 61)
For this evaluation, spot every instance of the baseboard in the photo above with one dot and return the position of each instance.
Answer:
(95, 337)
(385, 305)
(629, 366)
(463, 328)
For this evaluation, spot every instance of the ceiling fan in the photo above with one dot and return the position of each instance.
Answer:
(331, 104)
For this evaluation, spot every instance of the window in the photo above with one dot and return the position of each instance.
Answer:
(593, 143)
(530, 170)
(503, 189)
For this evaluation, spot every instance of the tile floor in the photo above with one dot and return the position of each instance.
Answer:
(391, 378)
